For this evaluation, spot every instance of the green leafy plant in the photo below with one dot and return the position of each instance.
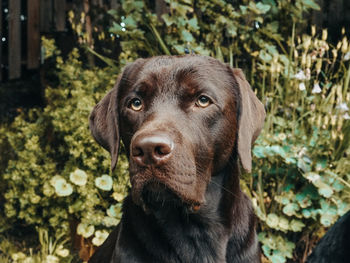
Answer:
(59, 176)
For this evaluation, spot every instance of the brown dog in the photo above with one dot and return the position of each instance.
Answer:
(185, 122)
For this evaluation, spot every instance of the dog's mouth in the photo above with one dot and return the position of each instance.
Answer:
(156, 195)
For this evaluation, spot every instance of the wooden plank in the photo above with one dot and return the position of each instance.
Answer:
(1, 35)
(33, 34)
(45, 16)
(114, 4)
(14, 39)
(318, 16)
(88, 28)
(161, 8)
(335, 12)
(347, 16)
(60, 15)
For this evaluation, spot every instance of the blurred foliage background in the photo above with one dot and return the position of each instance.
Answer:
(58, 198)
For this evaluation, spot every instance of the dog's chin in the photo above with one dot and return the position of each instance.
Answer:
(157, 196)
(155, 192)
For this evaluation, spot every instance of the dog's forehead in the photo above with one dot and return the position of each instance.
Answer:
(189, 73)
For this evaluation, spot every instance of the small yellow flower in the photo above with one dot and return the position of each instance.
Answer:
(78, 177)
(35, 199)
(47, 189)
(324, 34)
(104, 182)
(18, 256)
(118, 196)
(110, 221)
(51, 259)
(62, 252)
(313, 30)
(100, 237)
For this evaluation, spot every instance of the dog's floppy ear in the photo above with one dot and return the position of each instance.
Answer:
(104, 117)
(251, 119)
(103, 123)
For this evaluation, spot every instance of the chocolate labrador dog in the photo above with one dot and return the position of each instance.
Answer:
(186, 122)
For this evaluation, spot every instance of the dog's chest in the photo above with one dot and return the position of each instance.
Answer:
(192, 242)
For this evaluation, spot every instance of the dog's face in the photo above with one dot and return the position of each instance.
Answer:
(180, 119)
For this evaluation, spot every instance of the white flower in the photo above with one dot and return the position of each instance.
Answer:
(347, 56)
(104, 182)
(18, 256)
(343, 107)
(85, 230)
(100, 237)
(346, 116)
(51, 259)
(55, 179)
(313, 177)
(112, 211)
(62, 252)
(282, 136)
(78, 177)
(316, 88)
(302, 86)
(300, 75)
(62, 188)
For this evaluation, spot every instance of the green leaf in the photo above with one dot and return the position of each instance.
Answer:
(263, 8)
(325, 190)
(303, 165)
(169, 20)
(130, 22)
(193, 23)
(311, 4)
(296, 225)
(277, 258)
(264, 56)
(290, 209)
(283, 224)
(272, 220)
(306, 213)
(327, 219)
(187, 36)
(258, 151)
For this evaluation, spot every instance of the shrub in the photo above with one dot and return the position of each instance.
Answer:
(55, 178)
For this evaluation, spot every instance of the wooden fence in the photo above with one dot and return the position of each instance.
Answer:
(22, 22)
(22, 50)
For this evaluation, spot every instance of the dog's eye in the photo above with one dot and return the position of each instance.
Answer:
(135, 104)
(203, 101)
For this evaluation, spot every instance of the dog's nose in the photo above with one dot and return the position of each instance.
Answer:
(151, 149)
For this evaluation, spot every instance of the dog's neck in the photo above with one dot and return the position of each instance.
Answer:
(201, 236)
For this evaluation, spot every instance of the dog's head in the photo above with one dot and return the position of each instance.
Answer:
(180, 119)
